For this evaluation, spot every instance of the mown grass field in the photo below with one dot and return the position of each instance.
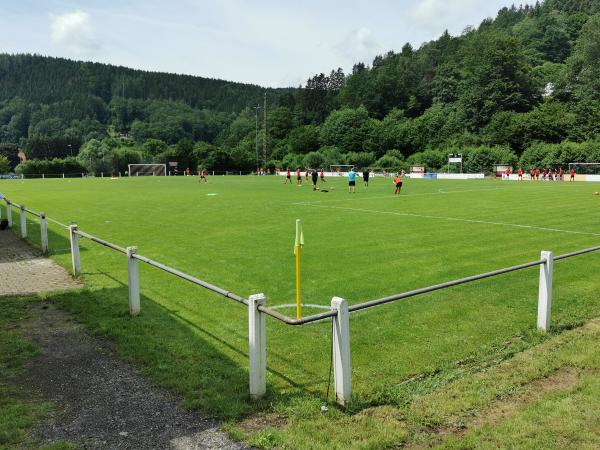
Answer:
(238, 233)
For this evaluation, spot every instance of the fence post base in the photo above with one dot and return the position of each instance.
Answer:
(9, 213)
(23, 222)
(545, 292)
(75, 260)
(133, 277)
(342, 371)
(44, 232)
(257, 345)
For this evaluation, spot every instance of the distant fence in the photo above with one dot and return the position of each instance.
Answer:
(170, 173)
(258, 310)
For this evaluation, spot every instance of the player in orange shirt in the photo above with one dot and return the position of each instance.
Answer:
(398, 184)
(288, 177)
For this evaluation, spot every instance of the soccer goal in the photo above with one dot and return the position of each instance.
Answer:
(585, 168)
(340, 168)
(144, 170)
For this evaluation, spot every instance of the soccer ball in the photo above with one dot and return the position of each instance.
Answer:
(596, 193)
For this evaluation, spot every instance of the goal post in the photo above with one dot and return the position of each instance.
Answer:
(341, 168)
(144, 170)
(592, 168)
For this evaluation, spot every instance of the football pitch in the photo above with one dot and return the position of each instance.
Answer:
(238, 233)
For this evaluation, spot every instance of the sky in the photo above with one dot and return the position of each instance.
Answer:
(275, 43)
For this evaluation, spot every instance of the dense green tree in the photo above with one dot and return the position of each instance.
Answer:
(346, 128)
(4, 165)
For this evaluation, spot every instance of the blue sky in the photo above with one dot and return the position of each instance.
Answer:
(266, 42)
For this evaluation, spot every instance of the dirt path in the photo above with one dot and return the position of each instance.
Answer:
(102, 402)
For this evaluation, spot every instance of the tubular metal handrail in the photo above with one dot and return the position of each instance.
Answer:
(437, 287)
(100, 241)
(321, 316)
(576, 253)
(185, 276)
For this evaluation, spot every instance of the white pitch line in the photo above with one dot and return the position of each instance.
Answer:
(456, 219)
(439, 192)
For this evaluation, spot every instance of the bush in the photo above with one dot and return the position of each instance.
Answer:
(482, 159)
(54, 166)
(313, 160)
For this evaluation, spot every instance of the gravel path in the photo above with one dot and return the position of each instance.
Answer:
(101, 401)
(23, 270)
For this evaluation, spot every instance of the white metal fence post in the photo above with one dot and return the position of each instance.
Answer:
(44, 232)
(9, 213)
(75, 250)
(257, 344)
(342, 371)
(23, 222)
(545, 291)
(133, 281)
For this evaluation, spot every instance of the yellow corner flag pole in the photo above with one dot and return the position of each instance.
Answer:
(297, 250)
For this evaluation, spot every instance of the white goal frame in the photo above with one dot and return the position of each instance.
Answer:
(154, 172)
(575, 164)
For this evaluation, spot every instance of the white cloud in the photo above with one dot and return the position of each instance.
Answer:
(359, 45)
(74, 32)
(436, 14)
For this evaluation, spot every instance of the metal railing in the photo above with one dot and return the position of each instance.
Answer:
(257, 309)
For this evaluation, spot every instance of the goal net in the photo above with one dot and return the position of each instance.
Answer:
(340, 168)
(141, 170)
(585, 168)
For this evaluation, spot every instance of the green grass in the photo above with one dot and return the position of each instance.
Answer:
(18, 413)
(358, 246)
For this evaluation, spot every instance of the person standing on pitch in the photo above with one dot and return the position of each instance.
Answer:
(572, 178)
(323, 176)
(315, 177)
(288, 177)
(398, 183)
(352, 181)
(201, 176)
(298, 177)
(366, 177)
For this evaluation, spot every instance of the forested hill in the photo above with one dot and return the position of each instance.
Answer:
(521, 88)
(40, 79)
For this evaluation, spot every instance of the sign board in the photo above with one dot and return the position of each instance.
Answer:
(173, 163)
(455, 158)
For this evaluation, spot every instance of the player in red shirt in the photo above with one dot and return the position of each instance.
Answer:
(323, 177)
(288, 177)
(572, 176)
(532, 174)
(298, 177)
(544, 175)
(560, 174)
(537, 174)
(520, 174)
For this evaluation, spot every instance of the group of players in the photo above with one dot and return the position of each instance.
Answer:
(352, 174)
(545, 174)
